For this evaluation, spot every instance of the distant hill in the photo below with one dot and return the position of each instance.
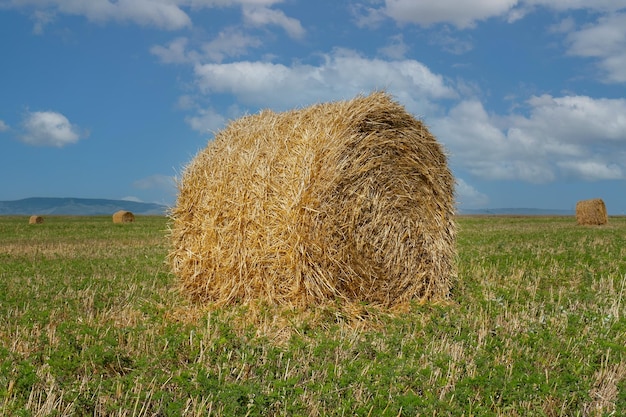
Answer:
(519, 212)
(77, 207)
(97, 207)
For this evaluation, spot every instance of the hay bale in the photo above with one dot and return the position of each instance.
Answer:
(350, 200)
(123, 216)
(35, 220)
(591, 212)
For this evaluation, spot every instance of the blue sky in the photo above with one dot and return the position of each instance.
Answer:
(111, 99)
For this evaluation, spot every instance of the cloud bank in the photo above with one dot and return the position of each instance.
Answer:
(48, 128)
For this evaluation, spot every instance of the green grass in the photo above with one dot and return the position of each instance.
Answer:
(90, 324)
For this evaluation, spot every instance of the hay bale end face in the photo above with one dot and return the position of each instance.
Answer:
(591, 212)
(35, 220)
(349, 200)
(123, 216)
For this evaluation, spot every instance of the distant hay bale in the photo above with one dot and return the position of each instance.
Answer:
(123, 216)
(349, 200)
(591, 212)
(35, 220)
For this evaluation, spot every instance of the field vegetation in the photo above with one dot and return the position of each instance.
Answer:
(91, 324)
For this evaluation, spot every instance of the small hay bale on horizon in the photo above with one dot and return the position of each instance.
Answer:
(591, 212)
(350, 200)
(35, 219)
(123, 216)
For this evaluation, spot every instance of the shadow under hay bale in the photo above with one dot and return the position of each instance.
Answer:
(591, 212)
(349, 200)
(123, 216)
(35, 220)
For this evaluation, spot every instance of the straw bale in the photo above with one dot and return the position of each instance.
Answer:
(35, 219)
(350, 200)
(123, 216)
(591, 212)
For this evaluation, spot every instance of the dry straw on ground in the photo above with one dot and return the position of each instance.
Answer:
(123, 216)
(347, 201)
(591, 212)
(35, 220)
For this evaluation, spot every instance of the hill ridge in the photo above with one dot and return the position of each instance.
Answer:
(77, 206)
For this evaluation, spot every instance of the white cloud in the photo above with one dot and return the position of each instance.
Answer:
(41, 18)
(164, 14)
(157, 13)
(185, 102)
(160, 13)
(225, 3)
(367, 17)
(468, 196)
(450, 43)
(174, 53)
(49, 128)
(206, 121)
(262, 16)
(564, 26)
(571, 136)
(606, 41)
(563, 5)
(342, 74)
(465, 14)
(460, 13)
(229, 43)
(577, 119)
(3, 126)
(592, 170)
(395, 49)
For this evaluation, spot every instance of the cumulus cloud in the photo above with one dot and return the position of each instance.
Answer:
(342, 74)
(206, 121)
(462, 14)
(262, 16)
(163, 14)
(592, 170)
(563, 5)
(48, 128)
(41, 18)
(451, 43)
(571, 136)
(578, 119)
(229, 43)
(468, 197)
(395, 49)
(367, 17)
(175, 52)
(606, 41)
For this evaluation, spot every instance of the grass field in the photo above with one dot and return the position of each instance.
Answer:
(91, 324)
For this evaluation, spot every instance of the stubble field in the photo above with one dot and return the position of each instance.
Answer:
(91, 324)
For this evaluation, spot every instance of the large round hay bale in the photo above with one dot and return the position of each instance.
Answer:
(35, 219)
(591, 212)
(349, 200)
(123, 216)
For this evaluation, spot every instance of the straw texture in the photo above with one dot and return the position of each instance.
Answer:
(123, 216)
(350, 200)
(591, 212)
